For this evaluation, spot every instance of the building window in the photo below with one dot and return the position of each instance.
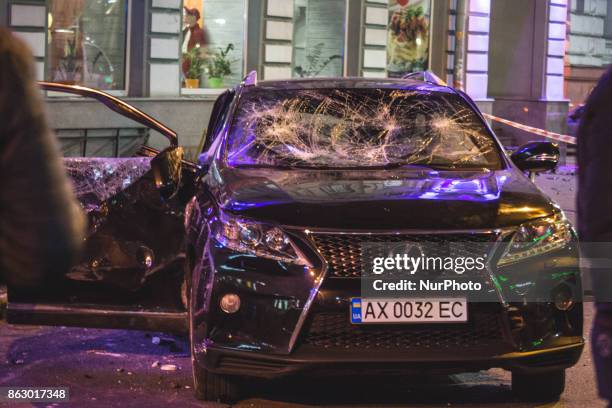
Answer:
(408, 37)
(303, 38)
(318, 38)
(87, 43)
(396, 37)
(212, 44)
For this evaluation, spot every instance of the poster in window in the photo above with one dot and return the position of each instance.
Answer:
(408, 36)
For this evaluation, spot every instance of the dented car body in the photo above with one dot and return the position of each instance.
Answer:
(130, 271)
(257, 250)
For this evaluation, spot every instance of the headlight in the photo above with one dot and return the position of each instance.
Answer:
(537, 237)
(249, 237)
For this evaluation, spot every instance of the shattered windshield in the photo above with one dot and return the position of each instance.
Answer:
(357, 128)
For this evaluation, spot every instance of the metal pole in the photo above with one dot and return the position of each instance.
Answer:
(460, 40)
(117, 142)
(85, 144)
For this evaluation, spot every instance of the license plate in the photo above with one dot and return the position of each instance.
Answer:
(408, 310)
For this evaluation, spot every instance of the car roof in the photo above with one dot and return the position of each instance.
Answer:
(349, 83)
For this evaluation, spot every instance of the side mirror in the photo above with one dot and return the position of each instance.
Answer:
(167, 169)
(536, 157)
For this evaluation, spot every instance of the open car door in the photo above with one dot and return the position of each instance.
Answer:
(130, 273)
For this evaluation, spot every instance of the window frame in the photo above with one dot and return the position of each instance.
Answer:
(218, 117)
(608, 22)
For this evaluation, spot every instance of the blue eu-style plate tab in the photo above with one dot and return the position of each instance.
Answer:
(356, 310)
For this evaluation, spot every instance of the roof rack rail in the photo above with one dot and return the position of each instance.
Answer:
(250, 79)
(425, 76)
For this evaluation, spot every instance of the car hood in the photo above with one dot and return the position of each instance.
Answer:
(380, 199)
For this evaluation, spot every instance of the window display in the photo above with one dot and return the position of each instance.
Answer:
(87, 43)
(212, 43)
(408, 37)
(193, 47)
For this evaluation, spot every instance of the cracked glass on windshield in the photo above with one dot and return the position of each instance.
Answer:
(357, 128)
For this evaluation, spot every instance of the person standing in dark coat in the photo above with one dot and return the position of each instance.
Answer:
(42, 226)
(595, 220)
(193, 36)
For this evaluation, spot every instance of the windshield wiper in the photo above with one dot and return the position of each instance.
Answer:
(400, 165)
(264, 166)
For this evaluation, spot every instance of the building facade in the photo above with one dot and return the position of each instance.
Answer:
(173, 57)
(589, 46)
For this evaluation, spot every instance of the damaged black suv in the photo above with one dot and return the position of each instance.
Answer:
(303, 173)
(296, 178)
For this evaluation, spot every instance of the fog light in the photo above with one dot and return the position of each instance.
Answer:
(563, 299)
(230, 303)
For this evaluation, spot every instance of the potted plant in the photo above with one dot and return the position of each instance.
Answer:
(218, 66)
(196, 66)
(70, 64)
(316, 63)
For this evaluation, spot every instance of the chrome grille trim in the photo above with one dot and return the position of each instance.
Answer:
(343, 252)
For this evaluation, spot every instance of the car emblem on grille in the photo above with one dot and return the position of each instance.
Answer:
(412, 249)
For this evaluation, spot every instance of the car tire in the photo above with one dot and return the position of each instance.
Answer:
(214, 387)
(207, 386)
(541, 387)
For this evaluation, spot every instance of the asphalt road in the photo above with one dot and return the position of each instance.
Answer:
(124, 369)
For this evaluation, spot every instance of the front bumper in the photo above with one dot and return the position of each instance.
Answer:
(269, 337)
(310, 360)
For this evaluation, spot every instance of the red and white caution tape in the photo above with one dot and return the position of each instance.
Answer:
(540, 132)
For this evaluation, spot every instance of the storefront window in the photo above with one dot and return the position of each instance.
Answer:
(87, 43)
(318, 38)
(212, 42)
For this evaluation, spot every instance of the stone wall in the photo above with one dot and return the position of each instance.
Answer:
(587, 45)
(589, 52)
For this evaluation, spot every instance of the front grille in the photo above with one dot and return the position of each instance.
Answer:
(344, 253)
(333, 330)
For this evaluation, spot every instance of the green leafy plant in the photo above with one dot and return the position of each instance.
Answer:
(218, 65)
(70, 65)
(316, 63)
(196, 63)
